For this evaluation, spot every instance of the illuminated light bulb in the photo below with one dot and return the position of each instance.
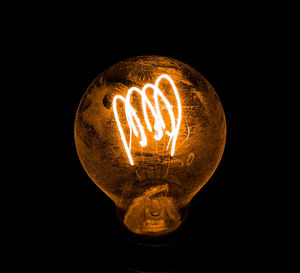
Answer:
(150, 132)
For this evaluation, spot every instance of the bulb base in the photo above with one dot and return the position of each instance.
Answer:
(152, 216)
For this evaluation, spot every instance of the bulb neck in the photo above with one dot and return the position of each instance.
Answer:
(152, 217)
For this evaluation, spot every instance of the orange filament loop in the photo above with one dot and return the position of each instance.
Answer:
(133, 120)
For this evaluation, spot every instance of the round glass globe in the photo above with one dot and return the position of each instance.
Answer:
(150, 132)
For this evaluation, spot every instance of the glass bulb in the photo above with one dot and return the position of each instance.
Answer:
(150, 131)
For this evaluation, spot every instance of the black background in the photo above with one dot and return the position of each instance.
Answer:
(243, 220)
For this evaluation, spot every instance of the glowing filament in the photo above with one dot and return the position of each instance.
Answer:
(133, 120)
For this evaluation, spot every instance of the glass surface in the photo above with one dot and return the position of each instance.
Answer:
(150, 131)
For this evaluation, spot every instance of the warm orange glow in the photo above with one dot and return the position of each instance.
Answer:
(134, 122)
(150, 131)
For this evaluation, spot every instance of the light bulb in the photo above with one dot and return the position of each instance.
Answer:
(150, 132)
